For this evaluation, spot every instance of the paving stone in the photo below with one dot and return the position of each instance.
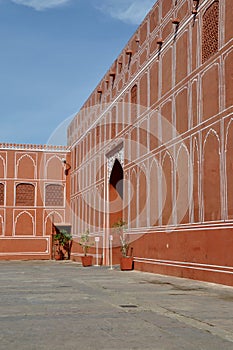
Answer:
(61, 305)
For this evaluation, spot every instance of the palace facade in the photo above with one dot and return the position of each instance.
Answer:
(34, 197)
(152, 146)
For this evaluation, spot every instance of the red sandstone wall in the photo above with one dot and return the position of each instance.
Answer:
(177, 142)
(197, 254)
(28, 207)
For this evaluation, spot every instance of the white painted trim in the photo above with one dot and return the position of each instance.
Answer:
(134, 79)
(21, 212)
(4, 162)
(186, 265)
(51, 213)
(18, 160)
(13, 239)
(48, 160)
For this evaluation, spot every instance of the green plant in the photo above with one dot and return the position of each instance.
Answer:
(85, 242)
(63, 237)
(119, 227)
(64, 240)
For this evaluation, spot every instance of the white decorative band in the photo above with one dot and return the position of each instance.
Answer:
(187, 265)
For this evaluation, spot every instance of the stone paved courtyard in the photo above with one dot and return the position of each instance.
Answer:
(61, 305)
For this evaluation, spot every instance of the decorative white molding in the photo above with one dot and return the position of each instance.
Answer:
(116, 153)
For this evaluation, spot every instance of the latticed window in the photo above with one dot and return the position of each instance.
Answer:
(25, 195)
(210, 31)
(54, 195)
(1, 194)
(134, 92)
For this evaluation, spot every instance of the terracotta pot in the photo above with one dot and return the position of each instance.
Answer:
(87, 260)
(126, 263)
(58, 256)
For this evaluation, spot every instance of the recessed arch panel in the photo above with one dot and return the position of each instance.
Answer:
(211, 177)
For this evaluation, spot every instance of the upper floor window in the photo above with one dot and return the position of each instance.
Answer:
(54, 195)
(134, 94)
(210, 36)
(134, 100)
(1, 194)
(25, 195)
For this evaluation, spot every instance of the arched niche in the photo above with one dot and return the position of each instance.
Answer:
(26, 168)
(24, 224)
(167, 189)
(182, 186)
(211, 177)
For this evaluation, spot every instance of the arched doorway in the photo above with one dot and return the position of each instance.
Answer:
(116, 193)
(115, 209)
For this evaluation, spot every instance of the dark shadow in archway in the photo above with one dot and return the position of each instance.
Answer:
(116, 178)
(115, 196)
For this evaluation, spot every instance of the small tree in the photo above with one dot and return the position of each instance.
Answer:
(119, 227)
(85, 242)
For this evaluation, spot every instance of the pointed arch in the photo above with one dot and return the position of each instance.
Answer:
(167, 189)
(97, 202)
(73, 207)
(143, 135)
(134, 101)
(24, 224)
(116, 193)
(133, 198)
(101, 206)
(126, 197)
(81, 214)
(87, 209)
(2, 168)
(26, 167)
(95, 209)
(182, 185)
(117, 177)
(133, 144)
(196, 171)
(84, 197)
(54, 168)
(91, 209)
(211, 177)
(142, 188)
(154, 193)
(53, 217)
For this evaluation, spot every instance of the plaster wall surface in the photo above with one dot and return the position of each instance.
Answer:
(34, 194)
(164, 111)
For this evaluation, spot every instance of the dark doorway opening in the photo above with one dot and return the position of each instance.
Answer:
(116, 192)
(116, 178)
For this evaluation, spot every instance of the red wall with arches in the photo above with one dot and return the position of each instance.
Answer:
(170, 106)
(27, 210)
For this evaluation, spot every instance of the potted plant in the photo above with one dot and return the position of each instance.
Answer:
(86, 244)
(63, 242)
(126, 261)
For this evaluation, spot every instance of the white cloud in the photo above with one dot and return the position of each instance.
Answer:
(131, 11)
(40, 5)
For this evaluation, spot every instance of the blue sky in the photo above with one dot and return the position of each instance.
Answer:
(53, 53)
